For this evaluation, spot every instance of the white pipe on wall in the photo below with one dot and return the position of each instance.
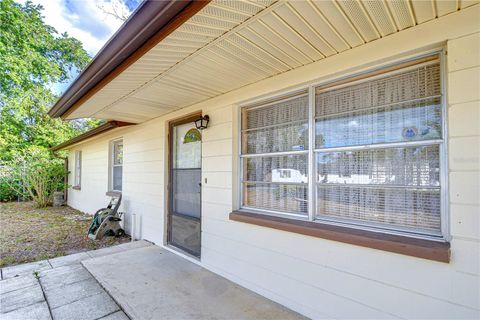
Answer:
(134, 220)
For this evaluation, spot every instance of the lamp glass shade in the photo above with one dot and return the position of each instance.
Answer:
(202, 123)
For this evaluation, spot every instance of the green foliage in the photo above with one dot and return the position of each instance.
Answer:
(6, 192)
(36, 174)
(33, 58)
(33, 54)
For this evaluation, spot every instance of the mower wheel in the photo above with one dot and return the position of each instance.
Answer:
(120, 232)
(109, 233)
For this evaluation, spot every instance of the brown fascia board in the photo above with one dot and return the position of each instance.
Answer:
(92, 133)
(152, 22)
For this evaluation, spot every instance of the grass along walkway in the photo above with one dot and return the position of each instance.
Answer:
(30, 234)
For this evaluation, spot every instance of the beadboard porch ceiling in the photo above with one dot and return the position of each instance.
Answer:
(233, 43)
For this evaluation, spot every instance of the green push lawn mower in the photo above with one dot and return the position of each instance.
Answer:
(106, 221)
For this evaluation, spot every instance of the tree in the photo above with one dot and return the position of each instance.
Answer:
(116, 9)
(36, 175)
(119, 9)
(33, 58)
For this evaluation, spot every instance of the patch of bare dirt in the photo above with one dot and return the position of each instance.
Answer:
(30, 234)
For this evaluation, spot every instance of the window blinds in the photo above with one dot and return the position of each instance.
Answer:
(271, 181)
(276, 127)
(381, 110)
(377, 151)
(376, 175)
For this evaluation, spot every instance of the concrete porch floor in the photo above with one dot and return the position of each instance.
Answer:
(153, 283)
(136, 280)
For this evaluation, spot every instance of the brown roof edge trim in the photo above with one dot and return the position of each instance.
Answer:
(420, 248)
(92, 133)
(151, 22)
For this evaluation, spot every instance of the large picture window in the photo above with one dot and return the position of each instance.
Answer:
(374, 148)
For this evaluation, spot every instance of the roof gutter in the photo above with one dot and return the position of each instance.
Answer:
(92, 133)
(152, 22)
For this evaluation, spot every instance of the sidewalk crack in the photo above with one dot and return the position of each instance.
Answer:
(108, 293)
(120, 310)
(45, 298)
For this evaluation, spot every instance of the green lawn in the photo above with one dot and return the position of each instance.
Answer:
(30, 234)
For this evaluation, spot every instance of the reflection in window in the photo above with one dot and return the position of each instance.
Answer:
(420, 121)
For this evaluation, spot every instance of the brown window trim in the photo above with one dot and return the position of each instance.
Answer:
(420, 248)
(76, 188)
(113, 193)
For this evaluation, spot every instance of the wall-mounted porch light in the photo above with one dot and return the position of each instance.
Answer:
(202, 122)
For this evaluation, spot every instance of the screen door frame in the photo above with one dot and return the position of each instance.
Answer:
(171, 125)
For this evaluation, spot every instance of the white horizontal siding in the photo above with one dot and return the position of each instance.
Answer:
(464, 166)
(144, 178)
(358, 290)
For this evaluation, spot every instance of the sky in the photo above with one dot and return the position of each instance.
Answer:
(84, 20)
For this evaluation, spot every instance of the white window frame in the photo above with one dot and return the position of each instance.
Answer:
(77, 177)
(113, 165)
(312, 190)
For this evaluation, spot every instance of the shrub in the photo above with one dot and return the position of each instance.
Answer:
(39, 175)
(6, 192)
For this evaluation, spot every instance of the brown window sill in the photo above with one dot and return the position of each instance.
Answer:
(113, 193)
(420, 248)
(76, 188)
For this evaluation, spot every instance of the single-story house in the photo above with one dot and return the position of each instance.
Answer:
(324, 154)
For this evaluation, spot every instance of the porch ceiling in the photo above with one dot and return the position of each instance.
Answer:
(230, 43)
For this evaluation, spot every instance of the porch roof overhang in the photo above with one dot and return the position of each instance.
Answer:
(221, 46)
(101, 129)
(150, 23)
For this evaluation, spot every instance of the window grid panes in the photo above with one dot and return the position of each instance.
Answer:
(117, 165)
(377, 152)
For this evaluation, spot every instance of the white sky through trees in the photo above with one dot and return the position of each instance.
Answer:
(85, 20)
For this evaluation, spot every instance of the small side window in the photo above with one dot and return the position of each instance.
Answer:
(116, 163)
(78, 170)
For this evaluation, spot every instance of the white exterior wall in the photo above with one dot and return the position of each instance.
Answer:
(316, 277)
(94, 177)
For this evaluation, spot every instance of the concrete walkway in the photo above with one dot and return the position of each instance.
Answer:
(59, 288)
(130, 281)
